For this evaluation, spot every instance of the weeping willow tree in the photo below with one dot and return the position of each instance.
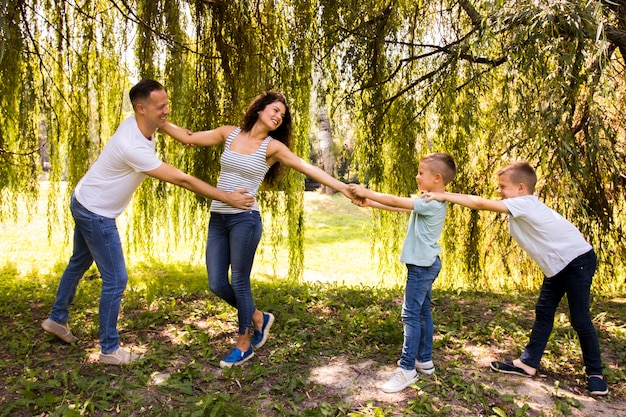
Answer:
(67, 66)
(487, 81)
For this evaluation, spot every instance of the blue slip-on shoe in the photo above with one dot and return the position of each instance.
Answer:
(509, 368)
(236, 357)
(259, 337)
(597, 386)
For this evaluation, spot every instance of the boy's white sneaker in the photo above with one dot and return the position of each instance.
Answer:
(400, 379)
(424, 367)
(119, 357)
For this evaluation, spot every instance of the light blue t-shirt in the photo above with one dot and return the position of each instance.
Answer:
(425, 226)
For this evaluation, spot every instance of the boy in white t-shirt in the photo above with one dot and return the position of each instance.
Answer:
(567, 260)
(99, 198)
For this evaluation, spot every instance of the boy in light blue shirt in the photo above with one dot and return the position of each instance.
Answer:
(420, 253)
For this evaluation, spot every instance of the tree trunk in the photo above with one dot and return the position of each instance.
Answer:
(325, 138)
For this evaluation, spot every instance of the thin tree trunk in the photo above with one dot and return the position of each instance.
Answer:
(325, 138)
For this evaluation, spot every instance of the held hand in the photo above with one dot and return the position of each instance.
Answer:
(347, 193)
(429, 196)
(189, 133)
(357, 190)
(240, 199)
(361, 202)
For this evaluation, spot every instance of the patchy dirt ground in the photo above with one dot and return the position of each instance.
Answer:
(360, 383)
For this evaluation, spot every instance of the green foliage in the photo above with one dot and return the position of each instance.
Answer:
(331, 342)
(487, 81)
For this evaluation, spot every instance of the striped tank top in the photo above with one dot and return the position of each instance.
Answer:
(240, 171)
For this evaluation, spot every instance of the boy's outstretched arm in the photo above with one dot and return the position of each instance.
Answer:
(471, 201)
(382, 201)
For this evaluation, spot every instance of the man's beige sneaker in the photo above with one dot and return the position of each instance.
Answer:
(62, 331)
(119, 357)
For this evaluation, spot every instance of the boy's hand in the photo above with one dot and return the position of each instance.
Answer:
(361, 202)
(429, 196)
(358, 190)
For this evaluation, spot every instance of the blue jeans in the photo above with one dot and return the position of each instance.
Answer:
(575, 281)
(232, 241)
(95, 239)
(416, 315)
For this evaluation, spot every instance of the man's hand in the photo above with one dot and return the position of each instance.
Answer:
(240, 199)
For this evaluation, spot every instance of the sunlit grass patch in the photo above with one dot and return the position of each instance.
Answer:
(335, 341)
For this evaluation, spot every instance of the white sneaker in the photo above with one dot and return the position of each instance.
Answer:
(424, 367)
(119, 357)
(399, 380)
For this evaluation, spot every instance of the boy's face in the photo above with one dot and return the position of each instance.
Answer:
(425, 177)
(507, 189)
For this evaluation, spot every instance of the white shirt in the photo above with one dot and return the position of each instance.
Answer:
(108, 186)
(550, 240)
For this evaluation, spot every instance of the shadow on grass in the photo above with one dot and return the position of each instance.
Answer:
(329, 350)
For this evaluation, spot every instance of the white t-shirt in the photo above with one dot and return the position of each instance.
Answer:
(550, 240)
(108, 186)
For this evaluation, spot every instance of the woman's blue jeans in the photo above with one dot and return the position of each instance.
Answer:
(96, 238)
(575, 281)
(231, 243)
(416, 314)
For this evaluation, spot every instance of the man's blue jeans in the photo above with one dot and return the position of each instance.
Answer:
(232, 242)
(96, 238)
(416, 314)
(575, 281)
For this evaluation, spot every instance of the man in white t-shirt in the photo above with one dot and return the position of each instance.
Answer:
(564, 256)
(99, 198)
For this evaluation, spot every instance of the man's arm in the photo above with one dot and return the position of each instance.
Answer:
(471, 201)
(238, 198)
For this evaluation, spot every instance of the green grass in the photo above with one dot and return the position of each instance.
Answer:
(337, 334)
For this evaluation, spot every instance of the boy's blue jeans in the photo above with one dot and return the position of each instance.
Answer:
(416, 315)
(232, 242)
(95, 238)
(575, 281)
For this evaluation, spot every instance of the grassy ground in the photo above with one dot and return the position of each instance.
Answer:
(336, 339)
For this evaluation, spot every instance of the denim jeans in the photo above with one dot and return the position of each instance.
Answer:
(96, 238)
(416, 314)
(232, 241)
(575, 281)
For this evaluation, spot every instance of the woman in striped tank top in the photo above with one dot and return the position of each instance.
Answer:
(254, 153)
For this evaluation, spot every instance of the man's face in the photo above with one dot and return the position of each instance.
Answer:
(155, 109)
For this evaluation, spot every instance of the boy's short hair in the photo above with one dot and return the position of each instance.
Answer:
(520, 173)
(441, 163)
(143, 89)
